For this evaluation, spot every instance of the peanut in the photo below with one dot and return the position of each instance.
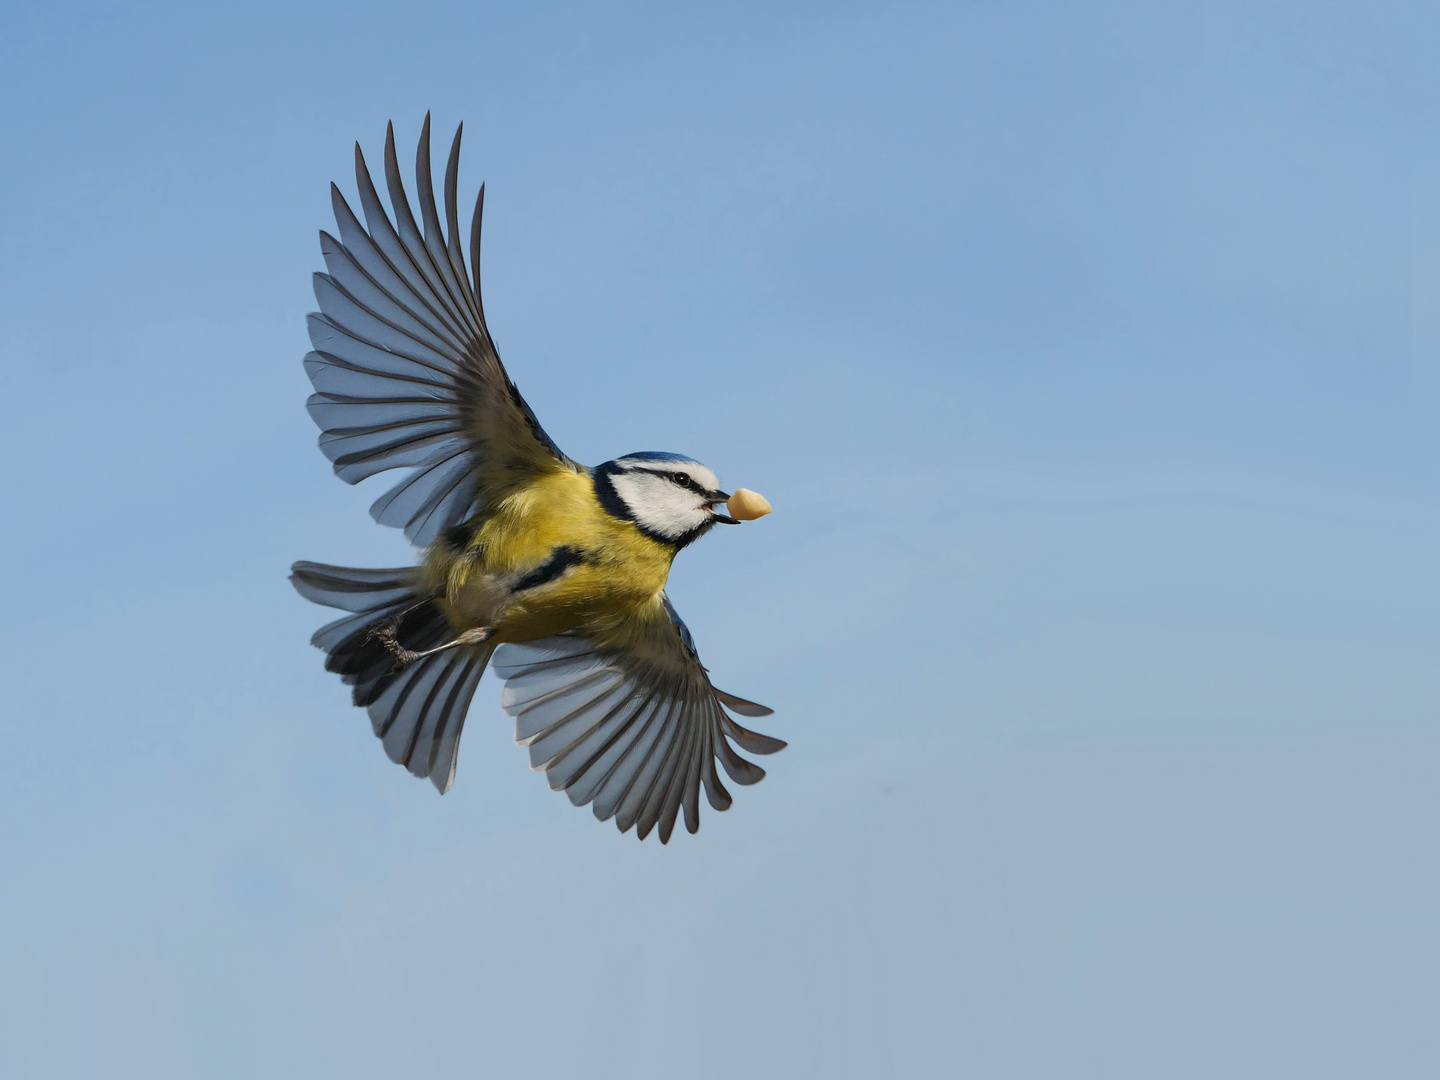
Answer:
(747, 505)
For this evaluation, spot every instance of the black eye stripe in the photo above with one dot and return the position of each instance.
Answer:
(685, 480)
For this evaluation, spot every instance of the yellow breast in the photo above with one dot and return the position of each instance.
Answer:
(620, 573)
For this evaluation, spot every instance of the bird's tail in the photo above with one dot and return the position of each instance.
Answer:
(417, 711)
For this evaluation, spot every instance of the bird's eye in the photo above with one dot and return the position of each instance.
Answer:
(687, 481)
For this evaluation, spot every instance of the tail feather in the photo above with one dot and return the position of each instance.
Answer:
(351, 589)
(418, 711)
(419, 716)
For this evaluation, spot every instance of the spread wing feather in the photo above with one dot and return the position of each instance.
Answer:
(406, 375)
(634, 729)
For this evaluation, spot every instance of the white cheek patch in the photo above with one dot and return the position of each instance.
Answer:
(659, 505)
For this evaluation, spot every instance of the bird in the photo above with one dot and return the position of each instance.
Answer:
(551, 572)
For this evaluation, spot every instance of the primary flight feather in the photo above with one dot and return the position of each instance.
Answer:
(555, 570)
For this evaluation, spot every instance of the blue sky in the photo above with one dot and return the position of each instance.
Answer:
(1090, 355)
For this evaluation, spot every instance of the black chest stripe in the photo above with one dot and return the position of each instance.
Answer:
(561, 559)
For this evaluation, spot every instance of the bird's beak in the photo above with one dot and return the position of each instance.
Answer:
(720, 499)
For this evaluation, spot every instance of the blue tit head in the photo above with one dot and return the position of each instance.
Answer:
(671, 498)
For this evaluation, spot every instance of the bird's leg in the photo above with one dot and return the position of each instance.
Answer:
(386, 635)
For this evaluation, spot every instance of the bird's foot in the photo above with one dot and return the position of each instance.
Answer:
(386, 634)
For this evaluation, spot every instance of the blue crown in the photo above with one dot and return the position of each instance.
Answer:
(657, 455)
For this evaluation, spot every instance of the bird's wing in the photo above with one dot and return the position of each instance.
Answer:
(405, 372)
(633, 728)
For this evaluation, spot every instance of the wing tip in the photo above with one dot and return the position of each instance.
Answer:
(743, 706)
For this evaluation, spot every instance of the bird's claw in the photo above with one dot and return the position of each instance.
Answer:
(387, 633)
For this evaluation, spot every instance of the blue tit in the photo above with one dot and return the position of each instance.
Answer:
(551, 572)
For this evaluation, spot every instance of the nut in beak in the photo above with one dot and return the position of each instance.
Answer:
(747, 505)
